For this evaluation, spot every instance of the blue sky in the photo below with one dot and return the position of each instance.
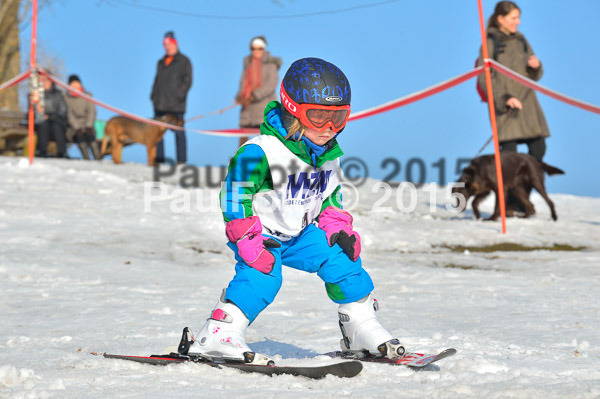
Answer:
(387, 51)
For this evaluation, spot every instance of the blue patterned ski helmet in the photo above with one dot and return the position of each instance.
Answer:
(315, 81)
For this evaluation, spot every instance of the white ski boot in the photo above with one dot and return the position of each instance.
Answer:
(362, 332)
(222, 337)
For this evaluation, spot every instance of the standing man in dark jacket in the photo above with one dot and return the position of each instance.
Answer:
(169, 92)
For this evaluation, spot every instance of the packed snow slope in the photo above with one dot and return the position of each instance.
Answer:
(88, 265)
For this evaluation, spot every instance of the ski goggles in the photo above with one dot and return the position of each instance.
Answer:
(317, 117)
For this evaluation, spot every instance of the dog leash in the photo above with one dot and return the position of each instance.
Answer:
(483, 148)
(219, 111)
(510, 111)
(491, 137)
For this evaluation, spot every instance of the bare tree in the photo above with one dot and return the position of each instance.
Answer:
(9, 51)
(15, 15)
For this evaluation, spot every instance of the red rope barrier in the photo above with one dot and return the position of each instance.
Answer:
(14, 81)
(416, 96)
(222, 133)
(408, 99)
(536, 86)
(107, 106)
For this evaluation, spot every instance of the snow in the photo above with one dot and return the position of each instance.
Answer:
(83, 269)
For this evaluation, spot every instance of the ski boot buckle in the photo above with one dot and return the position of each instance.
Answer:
(392, 349)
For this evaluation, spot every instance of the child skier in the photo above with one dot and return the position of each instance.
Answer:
(299, 224)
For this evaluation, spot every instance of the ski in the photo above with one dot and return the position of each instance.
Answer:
(416, 360)
(346, 369)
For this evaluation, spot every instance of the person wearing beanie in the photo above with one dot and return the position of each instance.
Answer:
(169, 92)
(81, 115)
(74, 78)
(257, 84)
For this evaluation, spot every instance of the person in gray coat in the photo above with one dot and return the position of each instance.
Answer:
(519, 116)
(257, 84)
(81, 116)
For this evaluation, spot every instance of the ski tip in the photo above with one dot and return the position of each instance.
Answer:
(449, 352)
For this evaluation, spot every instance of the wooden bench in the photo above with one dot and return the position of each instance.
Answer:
(13, 133)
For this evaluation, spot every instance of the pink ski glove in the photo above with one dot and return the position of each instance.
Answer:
(337, 225)
(252, 245)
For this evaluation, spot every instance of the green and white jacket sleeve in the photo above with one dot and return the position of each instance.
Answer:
(248, 173)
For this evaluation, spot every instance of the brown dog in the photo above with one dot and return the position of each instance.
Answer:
(520, 172)
(123, 131)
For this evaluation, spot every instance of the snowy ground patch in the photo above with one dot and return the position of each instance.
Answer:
(83, 269)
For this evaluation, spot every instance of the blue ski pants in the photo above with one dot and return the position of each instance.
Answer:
(345, 281)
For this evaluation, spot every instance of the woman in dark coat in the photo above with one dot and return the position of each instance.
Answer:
(257, 84)
(519, 116)
(51, 120)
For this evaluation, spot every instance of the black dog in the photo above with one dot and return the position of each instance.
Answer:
(520, 172)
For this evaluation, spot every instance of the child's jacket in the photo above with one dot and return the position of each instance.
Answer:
(280, 181)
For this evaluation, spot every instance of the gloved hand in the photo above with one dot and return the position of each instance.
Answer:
(252, 245)
(243, 101)
(337, 225)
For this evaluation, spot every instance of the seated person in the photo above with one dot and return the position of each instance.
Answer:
(81, 115)
(51, 120)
